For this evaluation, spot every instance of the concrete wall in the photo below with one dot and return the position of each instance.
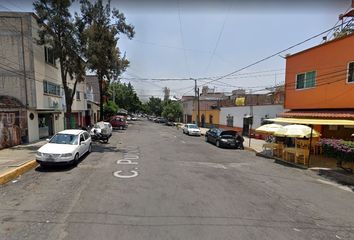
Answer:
(44, 72)
(33, 133)
(259, 112)
(80, 105)
(14, 65)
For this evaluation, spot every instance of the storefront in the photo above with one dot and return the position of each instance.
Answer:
(316, 149)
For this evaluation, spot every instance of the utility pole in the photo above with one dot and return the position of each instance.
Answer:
(195, 99)
(198, 110)
(250, 119)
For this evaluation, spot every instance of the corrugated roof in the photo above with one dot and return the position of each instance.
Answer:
(332, 114)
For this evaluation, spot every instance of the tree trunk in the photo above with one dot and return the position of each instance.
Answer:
(100, 82)
(68, 102)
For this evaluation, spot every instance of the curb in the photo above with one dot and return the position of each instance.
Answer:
(250, 149)
(14, 173)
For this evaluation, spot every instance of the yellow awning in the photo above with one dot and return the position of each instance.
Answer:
(313, 121)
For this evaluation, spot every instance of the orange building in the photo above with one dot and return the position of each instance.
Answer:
(319, 84)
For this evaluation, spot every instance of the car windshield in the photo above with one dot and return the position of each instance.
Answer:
(193, 126)
(64, 139)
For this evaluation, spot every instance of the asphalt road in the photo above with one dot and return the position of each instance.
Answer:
(153, 182)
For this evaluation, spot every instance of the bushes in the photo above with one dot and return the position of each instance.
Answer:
(338, 148)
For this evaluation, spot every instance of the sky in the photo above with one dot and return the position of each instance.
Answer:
(186, 40)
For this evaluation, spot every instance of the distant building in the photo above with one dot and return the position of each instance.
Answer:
(242, 110)
(93, 99)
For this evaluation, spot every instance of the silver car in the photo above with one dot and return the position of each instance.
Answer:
(191, 129)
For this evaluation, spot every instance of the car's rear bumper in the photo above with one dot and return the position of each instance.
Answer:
(228, 145)
(194, 133)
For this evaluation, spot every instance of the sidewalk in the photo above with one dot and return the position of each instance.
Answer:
(16, 160)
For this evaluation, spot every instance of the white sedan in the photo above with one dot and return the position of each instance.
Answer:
(191, 129)
(65, 147)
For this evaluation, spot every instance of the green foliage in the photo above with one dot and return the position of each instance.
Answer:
(155, 106)
(101, 27)
(347, 30)
(125, 96)
(110, 108)
(59, 31)
(172, 111)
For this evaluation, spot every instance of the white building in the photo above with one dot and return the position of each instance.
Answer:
(238, 116)
(31, 95)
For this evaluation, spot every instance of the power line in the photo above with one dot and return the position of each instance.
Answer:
(271, 56)
(182, 40)
(217, 42)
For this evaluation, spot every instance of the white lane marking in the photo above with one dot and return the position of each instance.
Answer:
(345, 188)
(125, 161)
(119, 175)
(297, 230)
(175, 136)
(338, 237)
(183, 141)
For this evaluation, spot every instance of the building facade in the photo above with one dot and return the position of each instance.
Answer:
(319, 84)
(32, 102)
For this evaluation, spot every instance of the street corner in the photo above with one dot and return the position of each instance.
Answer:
(251, 149)
(13, 173)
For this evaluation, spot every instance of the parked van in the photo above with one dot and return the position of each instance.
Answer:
(119, 122)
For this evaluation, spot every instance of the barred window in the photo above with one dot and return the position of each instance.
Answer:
(51, 88)
(351, 72)
(306, 80)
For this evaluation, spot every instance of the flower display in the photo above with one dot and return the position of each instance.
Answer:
(338, 148)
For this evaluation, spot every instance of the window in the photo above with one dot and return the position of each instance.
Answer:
(351, 72)
(77, 95)
(51, 88)
(229, 120)
(82, 139)
(49, 56)
(306, 80)
(87, 136)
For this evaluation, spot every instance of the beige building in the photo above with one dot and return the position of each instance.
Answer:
(32, 101)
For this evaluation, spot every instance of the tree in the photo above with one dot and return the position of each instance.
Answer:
(110, 109)
(155, 106)
(59, 32)
(125, 96)
(172, 111)
(100, 36)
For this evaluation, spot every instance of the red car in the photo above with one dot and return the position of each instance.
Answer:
(119, 122)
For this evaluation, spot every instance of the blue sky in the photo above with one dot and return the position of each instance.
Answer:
(193, 39)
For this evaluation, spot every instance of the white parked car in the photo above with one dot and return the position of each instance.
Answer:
(101, 131)
(65, 147)
(191, 129)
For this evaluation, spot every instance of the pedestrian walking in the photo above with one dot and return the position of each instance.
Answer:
(240, 140)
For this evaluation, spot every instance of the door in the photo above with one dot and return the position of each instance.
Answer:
(87, 140)
(247, 121)
(82, 145)
(212, 135)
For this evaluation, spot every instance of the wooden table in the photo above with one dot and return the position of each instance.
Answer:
(291, 151)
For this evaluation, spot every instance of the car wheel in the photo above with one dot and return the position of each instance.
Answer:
(218, 143)
(76, 159)
(90, 148)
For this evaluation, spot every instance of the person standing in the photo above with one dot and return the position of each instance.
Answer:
(240, 140)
